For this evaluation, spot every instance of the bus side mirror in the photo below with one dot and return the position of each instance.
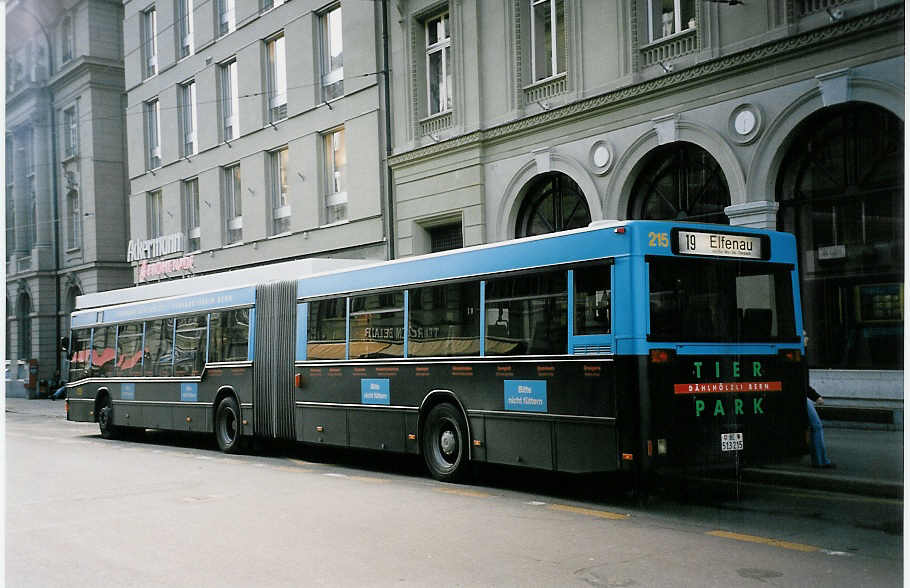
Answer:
(64, 344)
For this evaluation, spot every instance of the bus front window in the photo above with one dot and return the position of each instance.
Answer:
(714, 300)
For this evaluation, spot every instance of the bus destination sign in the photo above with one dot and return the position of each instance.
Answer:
(719, 244)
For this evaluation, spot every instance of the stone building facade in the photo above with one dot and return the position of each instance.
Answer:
(519, 117)
(65, 168)
(255, 133)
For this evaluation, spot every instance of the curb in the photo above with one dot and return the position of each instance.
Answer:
(828, 482)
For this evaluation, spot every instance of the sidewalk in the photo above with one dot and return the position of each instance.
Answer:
(869, 462)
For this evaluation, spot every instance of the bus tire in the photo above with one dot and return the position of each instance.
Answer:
(106, 420)
(444, 442)
(227, 425)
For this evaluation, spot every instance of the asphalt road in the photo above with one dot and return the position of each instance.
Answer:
(167, 510)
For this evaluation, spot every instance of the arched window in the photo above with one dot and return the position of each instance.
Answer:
(24, 312)
(680, 181)
(840, 190)
(552, 202)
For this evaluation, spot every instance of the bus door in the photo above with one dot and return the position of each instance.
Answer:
(273, 362)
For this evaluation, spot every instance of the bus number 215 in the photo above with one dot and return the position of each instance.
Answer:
(658, 240)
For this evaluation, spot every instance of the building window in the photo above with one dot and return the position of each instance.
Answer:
(841, 192)
(149, 41)
(184, 28)
(230, 103)
(67, 53)
(553, 202)
(548, 38)
(188, 117)
(336, 199)
(278, 81)
(233, 210)
(152, 135)
(74, 221)
(439, 65)
(281, 207)
(332, 55)
(71, 132)
(270, 4)
(226, 23)
(668, 17)
(155, 214)
(191, 214)
(28, 151)
(680, 181)
(445, 237)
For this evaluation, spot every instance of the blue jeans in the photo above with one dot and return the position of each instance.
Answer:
(817, 444)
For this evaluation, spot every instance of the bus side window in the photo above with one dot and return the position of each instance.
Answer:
(79, 354)
(443, 320)
(229, 335)
(129, 350)
(326, 329)
(527, 314)
(159, 345)
(189, 346)
(592, 300)
(103, 352)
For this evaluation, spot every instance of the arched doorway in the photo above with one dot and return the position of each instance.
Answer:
(552, 202)
(840, 191)
(680, 181)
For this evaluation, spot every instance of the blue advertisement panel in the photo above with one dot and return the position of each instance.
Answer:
(127, 391)
(189, 392)
(374, 391)
(525, 395)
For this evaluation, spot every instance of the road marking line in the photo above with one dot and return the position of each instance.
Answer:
(294, 469)
(764, 540)
(603, 514)
(471, 493)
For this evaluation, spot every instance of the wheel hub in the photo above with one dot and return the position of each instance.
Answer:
(447, 442)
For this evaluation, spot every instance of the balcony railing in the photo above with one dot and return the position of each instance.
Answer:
(545, 89)
(434, 124)
(670, 48)
(805, 7)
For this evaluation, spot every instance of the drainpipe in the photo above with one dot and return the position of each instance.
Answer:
(390, 212)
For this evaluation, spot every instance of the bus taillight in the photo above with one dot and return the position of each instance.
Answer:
(659, 356)
(793, 355)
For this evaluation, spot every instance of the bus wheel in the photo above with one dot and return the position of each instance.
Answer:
(445, 443)
(106, 420)
(227, 425)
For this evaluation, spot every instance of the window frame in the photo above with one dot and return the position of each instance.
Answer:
(277, 74)
(229, 100)
(677, 20)
(279, 191)
(191, 224)
(335, 198)
(225, 17)
(553, 35)
(149, 40)
(188, 119)
(185, 28)
(152, 110)
(71, 132)
(74, 226)
(332, 80)
(155, 212)
(232, 200)
(67, 39)
(444, 47)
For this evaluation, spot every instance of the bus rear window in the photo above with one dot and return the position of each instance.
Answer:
(711, 300)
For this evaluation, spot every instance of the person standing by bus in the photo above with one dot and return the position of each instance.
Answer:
(817, 439)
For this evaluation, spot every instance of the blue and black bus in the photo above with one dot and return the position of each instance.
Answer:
(626, 346)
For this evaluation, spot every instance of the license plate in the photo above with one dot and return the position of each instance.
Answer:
(731, 441)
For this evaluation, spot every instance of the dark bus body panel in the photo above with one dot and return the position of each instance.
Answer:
(696, 399)
(577, 433)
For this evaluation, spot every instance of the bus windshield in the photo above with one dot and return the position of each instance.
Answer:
(719, 300)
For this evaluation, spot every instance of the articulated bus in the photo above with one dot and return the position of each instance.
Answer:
(627, 346)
